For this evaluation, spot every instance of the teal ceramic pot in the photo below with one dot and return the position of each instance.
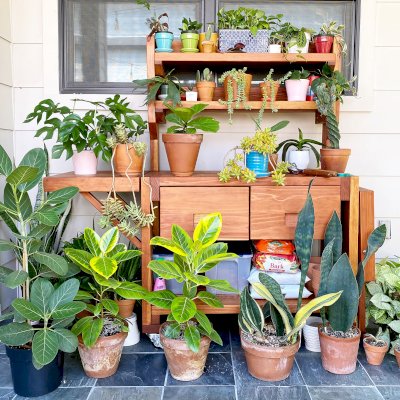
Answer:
(258, 163)
(190, 41)
(164, 41)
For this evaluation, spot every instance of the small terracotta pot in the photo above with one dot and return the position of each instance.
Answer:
(315, 277)
(102, 360)
(266, 88)
(208, 46)
(335, 159)
(126, 307)
(127, 161)
(183, 363)
(397, 355)
(272, 161)
(269, 363)
(182, 152)
(247, 87)
(374, 354)
(205, 90)
(323, 43)
(339, 355)
(214, 40)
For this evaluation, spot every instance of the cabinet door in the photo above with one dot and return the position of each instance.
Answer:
(184, 206)
(274, 210)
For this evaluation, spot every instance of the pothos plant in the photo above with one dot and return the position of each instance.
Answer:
(193, 256)
(332, 28)
(292, 35)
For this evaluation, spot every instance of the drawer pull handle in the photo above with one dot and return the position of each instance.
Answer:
(291, 219)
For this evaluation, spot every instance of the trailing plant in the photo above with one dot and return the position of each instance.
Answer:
(235, 168)
(156, 25)
(239, 77)
(102, 262)
(190, 26)
(87, 132)
(121, 135)
(334, 29)
(252, 316)
(300, 144)
(206, 76)
(291, 35)
(192, 257)
(247, 18)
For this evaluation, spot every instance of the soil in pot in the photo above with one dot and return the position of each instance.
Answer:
(126, 307)
(335, 159)
(127, 161)
(374, 350)
(102, 360)
(205, 90)
(27, 380)
(339, 350)
(183, 363)
(270, 362)
(182, 152)
(247, 87)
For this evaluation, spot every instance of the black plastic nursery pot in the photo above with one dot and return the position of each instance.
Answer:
(27, 380)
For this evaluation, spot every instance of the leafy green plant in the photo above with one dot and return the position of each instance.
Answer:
(299, 74)
(300, 144)
(381, 338)
(87, 132)
(101, 263)
(156, 25)
(206, 76)
(291, 35)
(252, 317)
(186, 120)
(192, 257)
(332, 28)
(190, 26)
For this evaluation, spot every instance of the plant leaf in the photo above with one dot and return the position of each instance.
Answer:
(334, 232)
(62, 195)
(111, 306)
(192, 338)
(203, 320)
(208, 229)
(91, 332)
(161, 298)
(166, 269)
(45, 346)
(22, 175)
(109, 240)
(92, 240)
(223, 285)
(167, 244)
(15, 279)
(56, 263)
(104, 266)
(16, 334)
(131, 290)
(183, 309)
(210, 299)
(5, 162)
(68, 310)
(67, 341)
(64, 294)
(27, 309)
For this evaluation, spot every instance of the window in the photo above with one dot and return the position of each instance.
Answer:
(103, 42)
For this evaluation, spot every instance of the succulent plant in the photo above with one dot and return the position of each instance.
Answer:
(207, 75)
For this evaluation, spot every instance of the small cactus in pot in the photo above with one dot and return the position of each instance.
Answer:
(205, 84)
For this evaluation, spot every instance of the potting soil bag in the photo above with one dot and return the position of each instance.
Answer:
(281, 278)
(285, 247)
(276, 262)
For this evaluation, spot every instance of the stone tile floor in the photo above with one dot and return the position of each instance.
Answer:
(143, 375)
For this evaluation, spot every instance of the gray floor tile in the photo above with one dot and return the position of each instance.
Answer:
(74, 375)
(226, 346)
(5, 375)
(199, 393)
(7, 394)
(244, 379)
(63, 394)
(138, 370)
(218, 371)
(314, 375)
(144, 346)
(126, 393)
(388, 373)
(274, 393)
(348, 393)
(389, 392)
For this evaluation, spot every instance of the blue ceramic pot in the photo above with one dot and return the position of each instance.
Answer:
(258, 163)
(164, 41)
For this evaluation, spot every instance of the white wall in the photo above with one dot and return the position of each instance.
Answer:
(369, 123)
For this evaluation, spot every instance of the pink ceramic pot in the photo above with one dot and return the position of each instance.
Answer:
(296, 89)
(85, 163)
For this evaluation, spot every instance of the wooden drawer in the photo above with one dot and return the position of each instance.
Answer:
(274, 210)
(184, 206)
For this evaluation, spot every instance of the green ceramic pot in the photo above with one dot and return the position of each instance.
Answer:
(190, 41)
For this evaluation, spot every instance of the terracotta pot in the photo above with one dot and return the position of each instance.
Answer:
(208, 46)
(83, 314)
(205, 90)
(335, 159)
(247, 87)
(102, 360)
(339, 355)
(397, 355)
(266, 87)
(269, 363)
(182, 151)
(315, 277)
(374, 354)
(183, 363)
(214, 40)
(127, 161)
(272, 161)
(323, 43)
(126, 307)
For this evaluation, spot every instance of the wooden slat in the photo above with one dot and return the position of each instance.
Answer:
(353, 222)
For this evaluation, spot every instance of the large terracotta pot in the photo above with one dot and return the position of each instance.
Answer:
(339, 355)
(182, 151)
(127, 161)
(247, 87)
(374, 354)
(126, 307)
(269, 363)
(183, 363)
(397, 355)
(102, 360)
(335, 159)
(266, 88)
(206, 90)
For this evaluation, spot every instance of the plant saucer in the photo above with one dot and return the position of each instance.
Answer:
(189, 50)
(163, 50)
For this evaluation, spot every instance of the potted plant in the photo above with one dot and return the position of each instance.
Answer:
(300, 156)
(190, 93)
(82, 137)
(296, 39)
(270, 348)
(187, 333)
(276, 40)
(237, 85)
(297, 85)
(327, 33)
(102, 334)
(182, 143)
(205, 84)
(376, 347)
(39, 333)
(328, 89)
(245, 25)
(161, 33)
(190, 35)
(208, 40)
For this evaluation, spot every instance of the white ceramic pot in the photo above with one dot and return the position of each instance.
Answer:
(133, 334)
(300, 157)
(85, 163)
(191, 96)
(293, 48)
(275, 48)
(311, 336)
(296, 89)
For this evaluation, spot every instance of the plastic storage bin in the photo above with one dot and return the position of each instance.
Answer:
(172, 284)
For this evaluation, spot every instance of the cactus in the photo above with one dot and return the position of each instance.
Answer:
(209, 32)
(206, 76)
(198, 76)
